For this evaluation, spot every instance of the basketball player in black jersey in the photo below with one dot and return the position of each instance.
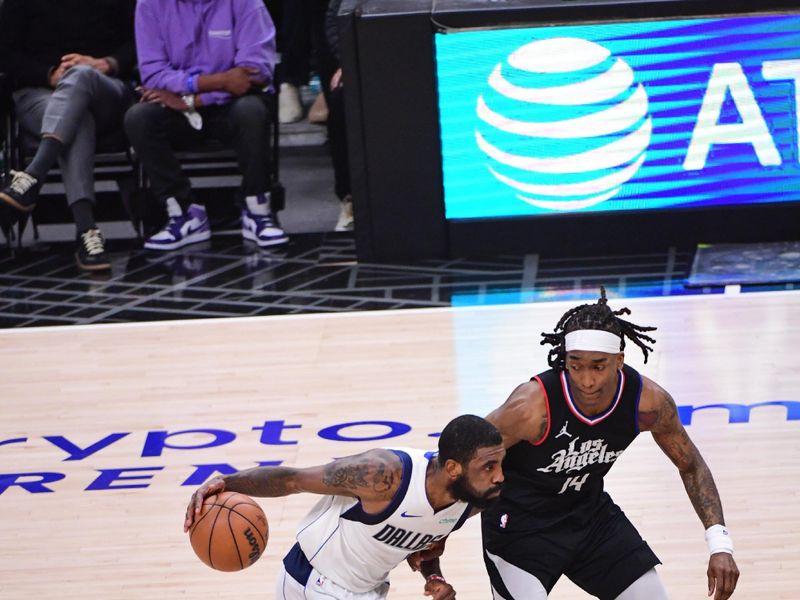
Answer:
(563, 430)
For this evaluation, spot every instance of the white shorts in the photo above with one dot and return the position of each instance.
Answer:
(319, 587)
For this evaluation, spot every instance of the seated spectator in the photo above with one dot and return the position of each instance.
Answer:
(203, 65)
(68, 60)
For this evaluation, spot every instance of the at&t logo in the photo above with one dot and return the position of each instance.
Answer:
(563, 123)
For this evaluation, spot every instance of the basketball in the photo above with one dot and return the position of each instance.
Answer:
(230, 533)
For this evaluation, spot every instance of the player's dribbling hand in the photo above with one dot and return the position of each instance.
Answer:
(211, 487)
(439, 590)
(722, 575)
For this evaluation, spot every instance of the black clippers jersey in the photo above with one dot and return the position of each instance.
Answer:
(567, 467)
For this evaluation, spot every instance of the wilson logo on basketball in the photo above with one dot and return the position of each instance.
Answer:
(255, 549)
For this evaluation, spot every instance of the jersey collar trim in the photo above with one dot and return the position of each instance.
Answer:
(577, 411)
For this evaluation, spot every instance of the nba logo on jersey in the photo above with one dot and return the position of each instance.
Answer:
(503, 520)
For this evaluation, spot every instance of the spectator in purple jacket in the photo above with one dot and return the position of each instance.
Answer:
(203, 64)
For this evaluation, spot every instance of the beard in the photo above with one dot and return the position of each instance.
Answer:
(462, 490)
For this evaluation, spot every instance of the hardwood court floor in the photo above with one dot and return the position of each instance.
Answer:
(88, 407)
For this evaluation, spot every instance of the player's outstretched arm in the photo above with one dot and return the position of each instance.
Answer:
(372, 476)
(523, 416)
(659, 415)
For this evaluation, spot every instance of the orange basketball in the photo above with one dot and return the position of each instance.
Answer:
(231, 532)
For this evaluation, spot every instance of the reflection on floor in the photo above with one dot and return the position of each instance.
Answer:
(314, 273)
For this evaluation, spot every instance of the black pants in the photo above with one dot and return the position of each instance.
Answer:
(337, 138)
(156, 133)
(594, 544)
(303, 41)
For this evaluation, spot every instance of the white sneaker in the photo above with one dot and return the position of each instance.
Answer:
(290, 109)
(345, 222)
(182, 228)
(262, 229)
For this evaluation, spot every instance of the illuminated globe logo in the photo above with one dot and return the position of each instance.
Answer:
(563, 123)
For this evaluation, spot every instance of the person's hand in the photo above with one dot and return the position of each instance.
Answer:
(163, 97)
(100, 64)
(439, 589)
(210, 488)
(722, 575)
(56, 74)
(336, 80)
(433, 551)
(239, 80)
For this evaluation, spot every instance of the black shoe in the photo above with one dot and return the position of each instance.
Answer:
(91, 253)
(21, 193)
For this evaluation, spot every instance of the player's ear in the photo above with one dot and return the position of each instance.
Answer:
(620, 360)
(453, 468)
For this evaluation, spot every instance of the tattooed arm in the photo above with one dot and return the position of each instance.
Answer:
(659, 415)
(372, 476)
(523, 416)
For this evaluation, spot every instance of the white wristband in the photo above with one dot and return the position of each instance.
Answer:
(718, 539)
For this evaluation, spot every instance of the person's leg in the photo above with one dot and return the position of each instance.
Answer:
(77, 164)
(65, 119)
(20, 195)
(82, 89)
(324, 62)
(83, 100)
(57, 117)
(337, 140)
(108, 101)
(612, 556)
(296, 35)
(509, 582)
(648, 587)
(244, 124)
(295, 58)
(153, 131)
(337, 137)
(525, 559)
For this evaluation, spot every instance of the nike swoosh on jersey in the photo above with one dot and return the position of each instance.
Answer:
(403, 514)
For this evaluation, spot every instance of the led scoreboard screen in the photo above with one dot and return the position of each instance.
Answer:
(619, 116)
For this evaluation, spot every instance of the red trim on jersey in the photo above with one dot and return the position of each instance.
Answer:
(547, 406)
(577, 412)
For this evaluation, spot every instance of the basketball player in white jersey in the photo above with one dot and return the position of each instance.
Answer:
(564, 429)
(379, 508)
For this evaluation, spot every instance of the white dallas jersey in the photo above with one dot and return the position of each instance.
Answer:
(357, 550)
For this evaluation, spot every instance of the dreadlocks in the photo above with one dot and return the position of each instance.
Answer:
(595, 316)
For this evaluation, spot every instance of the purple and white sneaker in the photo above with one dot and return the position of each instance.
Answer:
(262, 229)
(182, 228)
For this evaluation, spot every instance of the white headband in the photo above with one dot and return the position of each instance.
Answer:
(592, 340)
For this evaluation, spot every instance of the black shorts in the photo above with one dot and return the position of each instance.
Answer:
(603, 554)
